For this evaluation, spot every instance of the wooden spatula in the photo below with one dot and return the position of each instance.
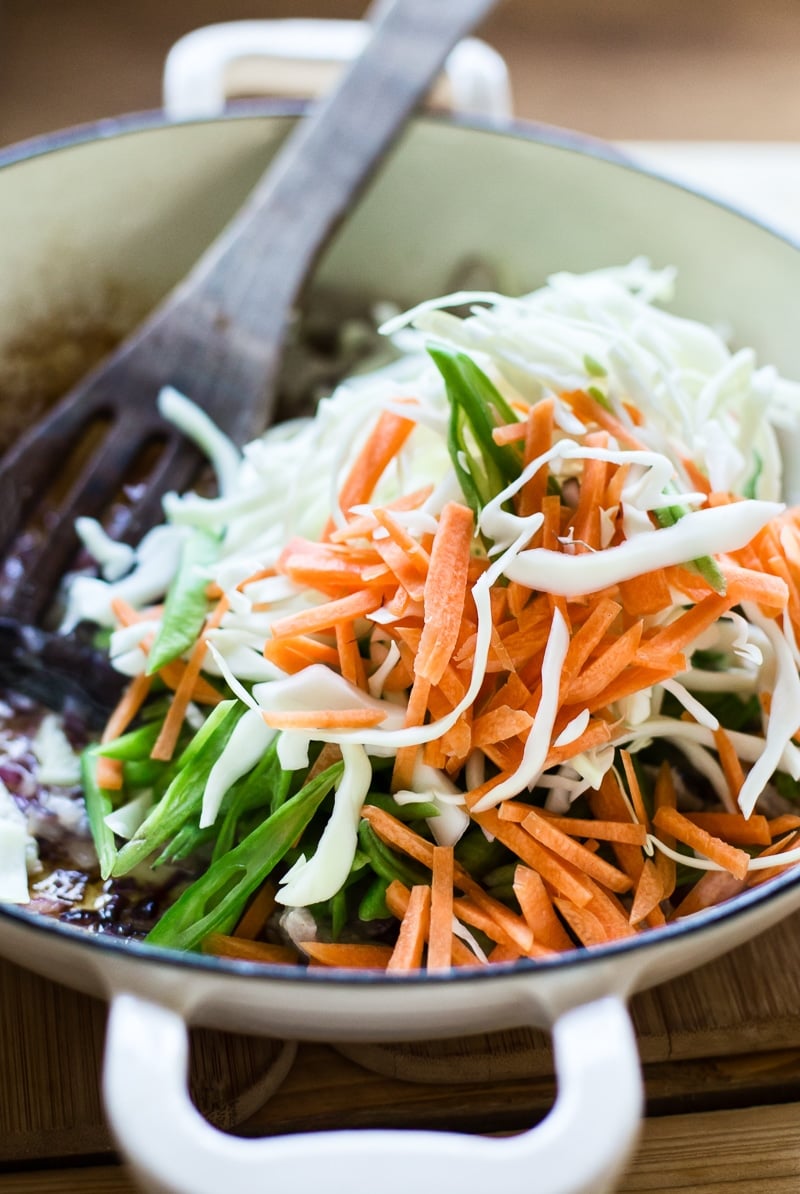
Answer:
(218, 336)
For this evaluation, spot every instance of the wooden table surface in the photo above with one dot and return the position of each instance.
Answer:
(721, 1053)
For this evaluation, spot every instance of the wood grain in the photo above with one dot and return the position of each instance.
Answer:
(719, 1038)
(51, 1044)
(714, 1153)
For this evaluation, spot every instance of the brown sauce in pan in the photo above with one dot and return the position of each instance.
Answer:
(65, 882)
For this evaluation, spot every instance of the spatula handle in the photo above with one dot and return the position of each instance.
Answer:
(253, 274)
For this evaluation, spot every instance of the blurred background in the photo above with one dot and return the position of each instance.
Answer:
(622, 69)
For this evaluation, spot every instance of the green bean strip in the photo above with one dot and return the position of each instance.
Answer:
(184, 795)
(186, 605)
(98, 805)
(215, 901)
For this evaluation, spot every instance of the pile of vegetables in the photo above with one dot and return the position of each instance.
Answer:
(495, 657)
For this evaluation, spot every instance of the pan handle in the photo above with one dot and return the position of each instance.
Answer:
(300, 53)
(581, 1146)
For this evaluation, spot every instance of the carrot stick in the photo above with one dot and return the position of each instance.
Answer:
(499, 724)
(513, 927)
(538, 910)
(649, 893)
(471, 914)
(508, 433)
(635, 791)
(407, 953)
(109, 773)
(221, 946)
(257, 913)
(789, 842)
(323, 719)
(351, 664)
(606, 831)
(746, 584)
(664, 796)
(385, 441)
(731, 767)
(204, 693)
(294, 654)
(685, 629)
(539, 859)
(607, 666)
(608, 803)
(646, 594)
(406, 757)
(413, 549)
(538, 440)
(503, 954)
(734, 828)
(348, 957)
(783, 824)
(711, 889)
(596, 733)
(585, 925)
(364, 526)
(167, 739)
(445, 591)
(440, 941)
(567, 848)
(584, 640)
(588, 410)
(733, 860)
(327, 615)
(128, 706)
(397, 897)
(586, 520)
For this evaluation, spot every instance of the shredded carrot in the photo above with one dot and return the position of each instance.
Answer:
(637, 800)
(410, 944)
(384, 443)
(607, 667)
(789, 842)
(734, 828)
(538, 439)
(538, 910)
(440, 949)
(397, 897)
(327, 615)
(732, 859)
(729, 760)
(221, 946)
(567, 848)
(351, 664)
(445, 591)
(294, 654)
(711, 889)
(649, 893)
(257, 912)
(664, 796)
(590, 411)
(323, 719)
(584, 924)
(406, 756)
(167, 739)
(109, 773)
(471, 914)
(348, 957)
(606, 831)
(552, 868)
(785, 823)
(129, 705)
